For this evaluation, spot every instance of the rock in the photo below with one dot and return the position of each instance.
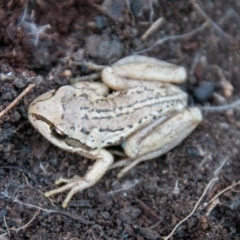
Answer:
(105, 48)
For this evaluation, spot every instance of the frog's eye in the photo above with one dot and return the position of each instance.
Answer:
(57, 133)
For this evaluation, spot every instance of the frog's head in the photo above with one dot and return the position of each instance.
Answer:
(46, 115)
(43, 114)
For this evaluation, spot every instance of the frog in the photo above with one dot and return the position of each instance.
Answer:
(138, 106)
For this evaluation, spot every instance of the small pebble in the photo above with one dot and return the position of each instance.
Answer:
(227, 88)
(129, 213)
(203, 92)
(105, 215)
(7, 96)
(19, 83)
(105, 48)
(3, 212)
(38, 80)
(67, 73)
(101, 22)
(17, 116)
(148, 233)
(193, 152)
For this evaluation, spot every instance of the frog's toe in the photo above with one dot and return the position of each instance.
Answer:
(77, 188)
(127, 168)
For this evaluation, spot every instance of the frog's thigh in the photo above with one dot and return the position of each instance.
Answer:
(164, 136)
(77, 184)
(118, 76)
(101, 89)
(154, 141)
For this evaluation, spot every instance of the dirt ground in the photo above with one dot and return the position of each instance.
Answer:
(47, 43)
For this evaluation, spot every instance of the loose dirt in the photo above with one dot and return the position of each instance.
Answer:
(48, 42)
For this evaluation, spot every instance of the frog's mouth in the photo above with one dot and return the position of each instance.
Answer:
(34, 116)
(56, 135)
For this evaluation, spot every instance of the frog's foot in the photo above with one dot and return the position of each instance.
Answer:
(77, 184)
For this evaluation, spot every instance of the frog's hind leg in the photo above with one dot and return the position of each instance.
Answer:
(160, 137)
(77, 184)
(134, 71)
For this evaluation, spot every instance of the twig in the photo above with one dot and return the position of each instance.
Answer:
(102, 9)
(5, 222)
(204, 15)
(23, 18)
(145, 208)
(127, 3)
(79, 218)
(17, 99)
(207, 156)
(212, 206)
(176, 189)
(216, 172)
(232, 14)
(2, 236)
(176, 37)
(223, 191)
(90, 77)
(151, 11)
(194, 209)
(29, 205)
(27, 224)
(92, 66)
(221, 108)
(152, 28)
(124, 188)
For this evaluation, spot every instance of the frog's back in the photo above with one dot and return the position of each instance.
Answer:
(110, 120)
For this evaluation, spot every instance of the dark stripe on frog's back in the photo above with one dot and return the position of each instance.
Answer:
(123, 101)
(127, 119)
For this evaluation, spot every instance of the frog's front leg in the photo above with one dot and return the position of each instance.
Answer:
(160, 137)
(77, 184)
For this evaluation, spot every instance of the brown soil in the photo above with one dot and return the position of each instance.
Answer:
(40, 40)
